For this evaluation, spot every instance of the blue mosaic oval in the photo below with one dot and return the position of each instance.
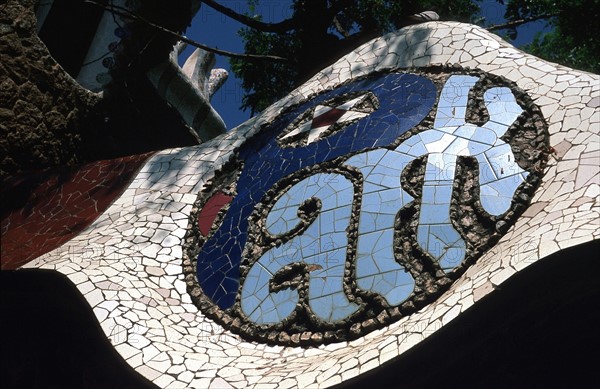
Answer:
(358, 206)
(405, 100)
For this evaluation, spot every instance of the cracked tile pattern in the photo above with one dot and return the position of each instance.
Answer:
(326, 288)
(218, 264)
(46, 209)
(131, 272)
(451, 137)
(318, 248)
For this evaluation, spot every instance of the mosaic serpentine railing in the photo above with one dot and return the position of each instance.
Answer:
(350, 220)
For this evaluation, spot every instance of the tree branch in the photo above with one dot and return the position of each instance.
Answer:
(516, 23)
(339, 28)
(125, 13)
(279, 27)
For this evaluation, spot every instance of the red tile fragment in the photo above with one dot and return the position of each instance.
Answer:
(328, 118)
(42, 211)
(211, 209)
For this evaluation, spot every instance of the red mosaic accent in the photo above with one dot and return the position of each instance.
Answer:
(328, 118)
(211, 209)
(42, 211)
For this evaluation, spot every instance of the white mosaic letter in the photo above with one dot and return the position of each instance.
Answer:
(322, 246)
(451, 137)
(382, 198)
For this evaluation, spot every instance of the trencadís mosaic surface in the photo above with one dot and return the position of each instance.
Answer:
(362, 204)
(128, 263)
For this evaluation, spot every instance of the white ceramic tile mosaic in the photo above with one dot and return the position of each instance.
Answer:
(138, 291)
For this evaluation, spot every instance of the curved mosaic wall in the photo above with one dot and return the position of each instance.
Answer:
(128, 262)
(363, 203)
(43, 210)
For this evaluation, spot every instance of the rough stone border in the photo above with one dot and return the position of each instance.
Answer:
(528, 135)
(173, 345)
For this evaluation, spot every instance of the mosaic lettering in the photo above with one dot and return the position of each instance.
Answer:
(326, 292)
(348, 206)
(376, 268)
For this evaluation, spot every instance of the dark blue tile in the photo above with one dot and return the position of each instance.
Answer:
(405, 99)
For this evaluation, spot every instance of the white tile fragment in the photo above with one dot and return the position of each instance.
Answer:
(144, 229)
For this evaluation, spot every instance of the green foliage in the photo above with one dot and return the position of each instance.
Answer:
(264, 81)
(574, 30)
(564, 49)
(321, 33)
(321, 37)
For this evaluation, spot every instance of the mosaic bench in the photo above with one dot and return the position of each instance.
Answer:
(349, 221)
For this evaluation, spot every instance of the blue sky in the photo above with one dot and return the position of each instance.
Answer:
(216, 30)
